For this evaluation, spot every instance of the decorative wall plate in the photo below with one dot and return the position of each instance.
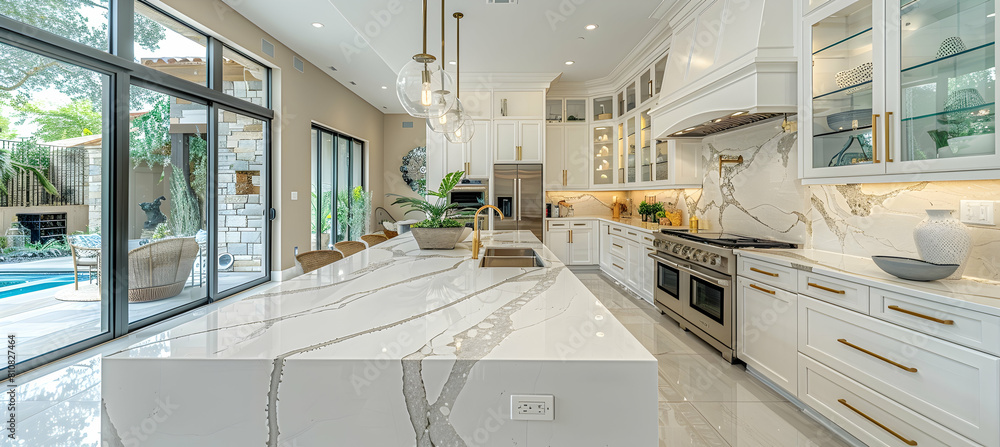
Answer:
(414, 169)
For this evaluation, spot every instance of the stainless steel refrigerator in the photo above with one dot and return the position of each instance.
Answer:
(517, 191)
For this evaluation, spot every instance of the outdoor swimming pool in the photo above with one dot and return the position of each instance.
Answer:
(13, 284)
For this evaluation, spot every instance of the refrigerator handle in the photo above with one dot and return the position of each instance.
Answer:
(519, 192)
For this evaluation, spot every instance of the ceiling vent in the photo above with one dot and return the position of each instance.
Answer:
(503, 2)
(298, 64)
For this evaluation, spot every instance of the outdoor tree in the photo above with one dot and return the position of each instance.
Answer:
(23, 72)
(76, 119)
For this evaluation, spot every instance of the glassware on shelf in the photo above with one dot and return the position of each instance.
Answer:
(602, 156)
(947, 80)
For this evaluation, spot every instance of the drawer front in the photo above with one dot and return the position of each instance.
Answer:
(618, 266)
(832, 290)
(617, 230)
(950, 384)
(647, 240)
(871, 417)
(633, 235)
(771, 274)
(578, 225)
(966, 327)
(618, 245)
(558, 225)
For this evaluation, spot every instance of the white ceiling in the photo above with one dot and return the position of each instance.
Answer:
(368, 43)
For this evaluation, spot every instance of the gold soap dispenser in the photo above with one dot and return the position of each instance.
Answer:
(693, 224)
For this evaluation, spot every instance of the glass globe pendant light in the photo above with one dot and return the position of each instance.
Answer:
(465, 132)
(423, 87)
(455, 116)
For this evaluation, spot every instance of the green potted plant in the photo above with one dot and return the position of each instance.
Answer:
(644, 210)
(439, 230)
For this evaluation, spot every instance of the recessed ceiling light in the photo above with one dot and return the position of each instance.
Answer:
(591, 27)
(570, 62)
(384, 87)
(317, 25)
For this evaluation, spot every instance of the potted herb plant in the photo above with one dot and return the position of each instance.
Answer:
(439, 230)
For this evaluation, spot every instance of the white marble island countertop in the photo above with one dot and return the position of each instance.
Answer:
(971, 293)
(394, 346)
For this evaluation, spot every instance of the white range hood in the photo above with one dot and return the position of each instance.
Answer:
(732, 62)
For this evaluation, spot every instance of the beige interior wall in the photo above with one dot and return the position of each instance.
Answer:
(399, 142)
(299, 99)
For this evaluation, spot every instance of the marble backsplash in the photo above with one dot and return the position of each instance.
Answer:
(764, 198)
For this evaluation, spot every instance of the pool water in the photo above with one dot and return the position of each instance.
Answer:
(13, 284)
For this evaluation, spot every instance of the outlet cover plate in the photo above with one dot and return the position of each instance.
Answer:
(978, 212)
(532, 407)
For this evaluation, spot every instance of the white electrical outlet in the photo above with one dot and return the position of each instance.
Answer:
(295, 195)
(978, 212)
(528, 407)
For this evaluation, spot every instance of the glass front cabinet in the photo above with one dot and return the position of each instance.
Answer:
(909, 100)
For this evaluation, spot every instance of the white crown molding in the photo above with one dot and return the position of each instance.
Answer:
(514, 81)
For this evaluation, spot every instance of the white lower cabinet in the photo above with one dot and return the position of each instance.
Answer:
(955, 386)
(624, 255)
(767, 322)
(573, 242)
(871, 417)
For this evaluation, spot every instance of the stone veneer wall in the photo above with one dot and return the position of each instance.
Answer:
(241, 216)
(763, 197)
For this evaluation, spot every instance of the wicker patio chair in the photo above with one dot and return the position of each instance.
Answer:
(85, 249)
(374, 239)
(313, 260)
(160, 269)
(349, 248)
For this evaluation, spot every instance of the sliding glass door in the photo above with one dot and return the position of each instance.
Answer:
(337, 174)
(133, 172)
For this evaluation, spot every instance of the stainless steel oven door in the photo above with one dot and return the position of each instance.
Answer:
(671, 282)
(710, 304)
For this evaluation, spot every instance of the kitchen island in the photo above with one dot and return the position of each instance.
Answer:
(391, 347)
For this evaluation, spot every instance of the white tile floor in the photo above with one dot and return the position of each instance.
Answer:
(704, 401)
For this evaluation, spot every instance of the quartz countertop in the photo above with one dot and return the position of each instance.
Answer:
(345, 310)
(635, 223)
(392, 346)
(971, 293)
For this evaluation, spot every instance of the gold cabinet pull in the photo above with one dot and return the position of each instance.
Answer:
(839, 292)
(571, 236)
(888, 137)
(565, 181)
(580, 225)
(616, 265)
(755, 286)
(880, 425)
(875, 118)
(919, 315)
(859, 348)
(755, 269)
(616, 245)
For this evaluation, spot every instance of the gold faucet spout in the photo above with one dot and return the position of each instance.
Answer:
(476, 244)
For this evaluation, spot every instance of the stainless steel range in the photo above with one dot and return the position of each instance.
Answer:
(695, 277)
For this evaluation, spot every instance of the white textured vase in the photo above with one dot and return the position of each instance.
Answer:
(943, 239)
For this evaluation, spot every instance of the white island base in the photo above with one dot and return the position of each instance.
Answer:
(391, 347)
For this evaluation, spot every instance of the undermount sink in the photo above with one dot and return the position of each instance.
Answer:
(511, 257)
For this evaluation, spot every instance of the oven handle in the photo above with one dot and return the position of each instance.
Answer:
(687, 269)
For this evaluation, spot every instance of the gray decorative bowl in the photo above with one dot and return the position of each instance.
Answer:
(914, 269)
(845, 120)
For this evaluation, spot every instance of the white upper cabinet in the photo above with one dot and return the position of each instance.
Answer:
(518, 141)
(567, 157)
(518, 105)
(899, 91)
